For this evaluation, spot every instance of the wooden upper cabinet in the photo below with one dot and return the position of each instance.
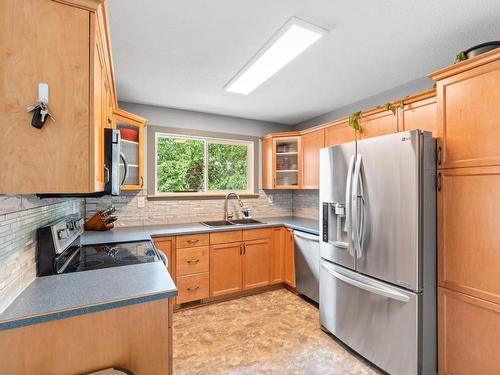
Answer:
(255, 263)
(267, 163)
(339, 133)
(421, 115)
(311, 143)
(379, 123)
(225, 269)
(60, 156)
(132, 147)
(468, 334)
(287, 162)
(469, 231)
(469, 111)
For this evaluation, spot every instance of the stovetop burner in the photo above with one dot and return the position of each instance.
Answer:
(92, 257)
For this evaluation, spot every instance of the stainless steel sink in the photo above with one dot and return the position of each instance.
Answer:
(221, 223)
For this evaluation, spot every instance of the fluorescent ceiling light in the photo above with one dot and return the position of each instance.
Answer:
(292, 39)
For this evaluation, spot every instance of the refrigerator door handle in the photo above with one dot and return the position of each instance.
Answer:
(381, 291)
(357, 209)
(348, 226)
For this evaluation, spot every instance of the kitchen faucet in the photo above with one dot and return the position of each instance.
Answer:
(228, 216)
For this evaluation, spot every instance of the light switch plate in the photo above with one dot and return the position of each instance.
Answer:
(141, 202)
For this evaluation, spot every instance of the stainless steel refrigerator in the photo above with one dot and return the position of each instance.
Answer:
(378, 249)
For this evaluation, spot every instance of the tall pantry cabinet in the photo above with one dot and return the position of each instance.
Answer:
(468, 97)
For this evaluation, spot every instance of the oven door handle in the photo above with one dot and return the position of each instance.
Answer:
(68, 261)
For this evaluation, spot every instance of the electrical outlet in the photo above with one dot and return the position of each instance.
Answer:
(141, 202)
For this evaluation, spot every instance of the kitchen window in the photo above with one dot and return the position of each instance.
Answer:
(195, 165)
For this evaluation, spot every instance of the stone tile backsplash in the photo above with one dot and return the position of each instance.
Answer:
(20, 216)
(306, 204)
(155, 211)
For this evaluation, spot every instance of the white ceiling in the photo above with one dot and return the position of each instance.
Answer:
(180, 54)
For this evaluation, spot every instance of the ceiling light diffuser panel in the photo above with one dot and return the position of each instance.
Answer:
(290, 40)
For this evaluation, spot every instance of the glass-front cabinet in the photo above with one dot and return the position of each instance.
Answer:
(287, 163)
(131, 129)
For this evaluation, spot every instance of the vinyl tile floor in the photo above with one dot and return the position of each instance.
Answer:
(275, 332)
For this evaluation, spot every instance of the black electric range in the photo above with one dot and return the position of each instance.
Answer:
(59, 250)
(92, 257)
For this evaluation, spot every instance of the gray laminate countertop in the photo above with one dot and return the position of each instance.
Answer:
(137, 233)
(62, 296)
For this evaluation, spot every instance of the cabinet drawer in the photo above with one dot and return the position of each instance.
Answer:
(257, 234)
(192, 260)
(193, 287)
(192, 240)
(225, 237)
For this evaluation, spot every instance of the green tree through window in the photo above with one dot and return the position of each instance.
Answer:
(227, 167)
(180, 165)
(181, 168)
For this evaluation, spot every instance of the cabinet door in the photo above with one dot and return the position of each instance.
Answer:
(338, 134)
(277, 259)
(255, 263)
(58, 157)
(289, 258)
(166, 245)
(469, 231)
(419, 115)
(381, 123)
(287, 163)
(468, 117)
(225, 269)
(132, 146)
(311, 143)
(267, 163)
(469, 334)
(100, 113)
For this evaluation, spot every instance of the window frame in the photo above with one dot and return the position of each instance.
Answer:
(252, 144)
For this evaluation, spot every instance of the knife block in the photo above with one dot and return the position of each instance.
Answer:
(98, 223)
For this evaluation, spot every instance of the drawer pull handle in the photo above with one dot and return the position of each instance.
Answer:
(193, 261)
(193, 288)
(192, 241)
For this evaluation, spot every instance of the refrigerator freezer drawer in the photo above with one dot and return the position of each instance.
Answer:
(377, 320)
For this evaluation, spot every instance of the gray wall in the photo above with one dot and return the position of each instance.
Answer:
(178, 118)
(398, 92)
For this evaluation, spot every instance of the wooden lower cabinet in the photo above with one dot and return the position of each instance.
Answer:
(469, 334)
(137, 337)
(255, 263)
(225, 269)
(289, 257)
(277, 258)
(167, 246)
(193, 287)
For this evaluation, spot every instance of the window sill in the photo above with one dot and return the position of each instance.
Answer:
(191, 196)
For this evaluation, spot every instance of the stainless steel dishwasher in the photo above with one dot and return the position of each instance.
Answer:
(307, 264)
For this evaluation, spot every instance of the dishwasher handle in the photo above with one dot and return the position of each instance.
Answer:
(306, 236)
